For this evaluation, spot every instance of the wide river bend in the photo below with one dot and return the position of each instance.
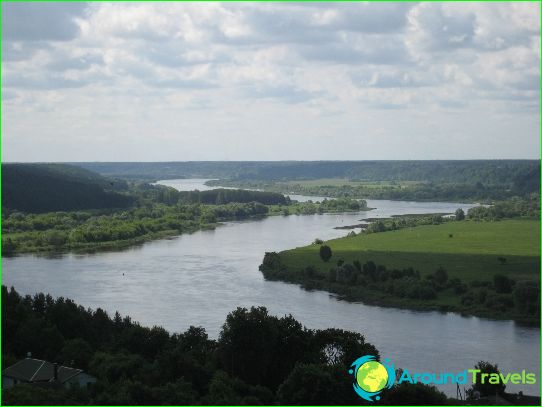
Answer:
(197, 279)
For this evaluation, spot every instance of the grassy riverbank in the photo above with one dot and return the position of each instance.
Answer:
(398, 268)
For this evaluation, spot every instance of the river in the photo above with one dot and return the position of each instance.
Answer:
(196, 279)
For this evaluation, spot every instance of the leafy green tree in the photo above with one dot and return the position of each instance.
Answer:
(8, 246)
(357, 265)
(441, 276)
(337, 346)
(527, 297)
(262, 349)
(486, 388)
(227, 390)
(317, 384)
(503, 284)
(325, 253)
(77, 353)
(459, 214)
(29, 395)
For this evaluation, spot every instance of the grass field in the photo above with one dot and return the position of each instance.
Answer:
(471, 251)
(471, 254)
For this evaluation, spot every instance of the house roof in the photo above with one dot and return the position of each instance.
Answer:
(36, 370)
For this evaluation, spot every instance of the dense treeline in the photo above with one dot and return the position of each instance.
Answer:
(376, 284)
(257, 359)
(488, 172)
(154, 210)
(528, 207)
(220, 196)
(223, 196)
(458, 192)
(40, 188)
(90, 230)
(78, 230)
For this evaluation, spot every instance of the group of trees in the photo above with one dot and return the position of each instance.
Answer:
(527, 206)
(369, 280)
(412, 191)
(257, 359)
(72, 230)
(222, 196)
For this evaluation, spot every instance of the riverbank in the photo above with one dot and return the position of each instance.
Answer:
(486, 269)
(85, 232)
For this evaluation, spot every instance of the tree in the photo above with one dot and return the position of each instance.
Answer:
(339, 347)
(262, 349)
(503, 284)
(315, 384)
(527, 297)
(8, 246)
(441, 276)
(76, 353)
(486, 388)
(325, 253)
(357, 265)
(459, 214)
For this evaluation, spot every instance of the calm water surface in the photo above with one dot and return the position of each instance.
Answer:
(197, 279)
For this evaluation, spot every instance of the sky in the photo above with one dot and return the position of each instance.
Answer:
(270, 81)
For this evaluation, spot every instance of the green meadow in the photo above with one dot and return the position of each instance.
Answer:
(468, 250)
(471, 252)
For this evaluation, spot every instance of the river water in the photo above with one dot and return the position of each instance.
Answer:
(197, 279)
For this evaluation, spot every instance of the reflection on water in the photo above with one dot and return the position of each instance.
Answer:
(197, 279)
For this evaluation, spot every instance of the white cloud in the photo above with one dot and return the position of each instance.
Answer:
(213, 70)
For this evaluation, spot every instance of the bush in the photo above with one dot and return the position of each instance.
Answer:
(357, 265)
(527, 297)
(478, 283)
(503, 284)
(325, 253)
(499, 302)
(441, 276)
(272, 266)
(346, 274)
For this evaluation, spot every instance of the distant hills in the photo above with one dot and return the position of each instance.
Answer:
(36, 188)
(489, 172)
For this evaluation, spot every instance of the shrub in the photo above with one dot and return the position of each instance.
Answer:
(503, 284)
(325, 253)
(441, 276)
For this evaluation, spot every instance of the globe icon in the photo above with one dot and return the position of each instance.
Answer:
(372, 376)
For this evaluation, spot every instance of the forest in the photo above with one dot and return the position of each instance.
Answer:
(441, 171)
(57, 187)
(257, 359)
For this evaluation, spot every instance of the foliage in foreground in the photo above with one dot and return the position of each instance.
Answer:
(257, 359)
